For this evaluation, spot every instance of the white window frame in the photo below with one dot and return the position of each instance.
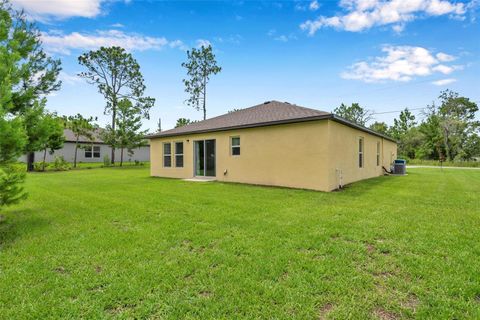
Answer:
(166, 155)
(88, 148)
(378, 153)
(361, 153)
(91, 149)
(239, 146)
(179, 154)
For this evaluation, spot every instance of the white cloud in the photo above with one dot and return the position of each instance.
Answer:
(401, 63)
(59, 9)
(55, 42)
(282, 38)
(69, 78)
(178, 44)
(444, 82)
(445, 57)
(117, 25)
(443, 69)
(314, 5)
(361, 15)
(203, 43)
(233, 39)
(285, 38)
(398, 27)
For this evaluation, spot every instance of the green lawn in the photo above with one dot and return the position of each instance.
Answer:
(418, 162)
(116, 243)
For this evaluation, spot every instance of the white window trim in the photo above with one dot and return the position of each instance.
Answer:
(239, 146)
(166, 155)
(86, 149)
(91, 147)
(179, 154)
(361, 153)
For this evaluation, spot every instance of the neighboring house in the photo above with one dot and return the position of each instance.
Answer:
(274, 143)
(90, 151)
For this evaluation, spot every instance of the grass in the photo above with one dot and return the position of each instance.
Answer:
(418, 162)
(116, 243)
(85, 165)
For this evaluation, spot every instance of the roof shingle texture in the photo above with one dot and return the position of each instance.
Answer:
(268, 112)
(70, 136)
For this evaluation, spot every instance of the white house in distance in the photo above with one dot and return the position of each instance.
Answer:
(91, 151)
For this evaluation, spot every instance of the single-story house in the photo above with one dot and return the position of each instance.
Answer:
(274, 143)
(90, 150)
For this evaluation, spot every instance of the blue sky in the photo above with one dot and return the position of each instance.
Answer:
(385, 55)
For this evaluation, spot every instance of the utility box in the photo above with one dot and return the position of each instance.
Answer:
(400, 166)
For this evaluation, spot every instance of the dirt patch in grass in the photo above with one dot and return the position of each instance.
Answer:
(383, 314)
(383, 274)
(115, 310)
(98, 288)
(412, 303)
(205, 294)
(370, 248)
(60, 270)
(324, 311)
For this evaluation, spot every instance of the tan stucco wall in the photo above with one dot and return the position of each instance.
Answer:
(300, 155)
(344, 154)
(290, 155)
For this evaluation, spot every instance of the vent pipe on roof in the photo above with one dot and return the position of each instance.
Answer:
(266, 102)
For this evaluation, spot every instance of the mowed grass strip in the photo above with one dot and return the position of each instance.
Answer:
(116, 243)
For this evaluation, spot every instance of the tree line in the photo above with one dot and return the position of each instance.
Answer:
(446, 131)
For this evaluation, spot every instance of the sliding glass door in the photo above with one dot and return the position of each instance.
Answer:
(205, 158)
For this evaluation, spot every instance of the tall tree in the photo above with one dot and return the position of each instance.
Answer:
(27, 73)
(128, 134)
(182, 122)
(200, 65)
(12, 142)
(432, 143)
(117, 75)
(354, 113)
(405, 122)
(380, 127)
(457, 121)
(55, 137)
(81, 127)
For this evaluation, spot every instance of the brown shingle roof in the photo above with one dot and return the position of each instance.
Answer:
(262, 114)
(70, 136)
(265, 114)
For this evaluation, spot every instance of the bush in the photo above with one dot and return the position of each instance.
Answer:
(60, 164)
(11, 185)
(106, 160)
(38, 166)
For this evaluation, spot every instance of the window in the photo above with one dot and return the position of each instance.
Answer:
(92, 151)
(235, 143)
(179, 154)
(360, 152)
(96, 151)
(378, 154)
(167, 155)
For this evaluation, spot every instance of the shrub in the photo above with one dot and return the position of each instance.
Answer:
(60, 164)
(38, 166)
(106, 160)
